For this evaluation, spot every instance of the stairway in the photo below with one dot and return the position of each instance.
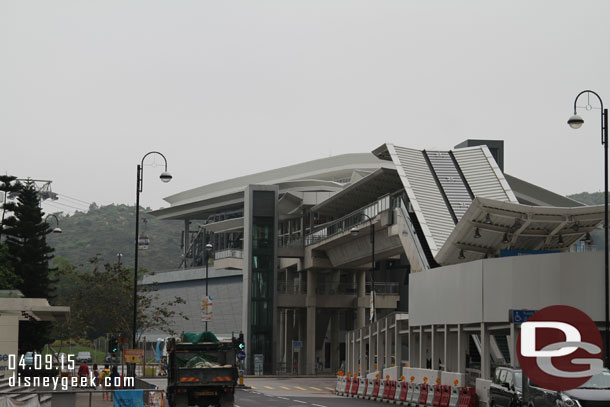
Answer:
(502, 342)
(27, 393)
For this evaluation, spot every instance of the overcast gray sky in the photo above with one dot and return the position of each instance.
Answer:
(228, 88)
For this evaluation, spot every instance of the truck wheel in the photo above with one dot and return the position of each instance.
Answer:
(226, 400)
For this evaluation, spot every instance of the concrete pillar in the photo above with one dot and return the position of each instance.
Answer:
(371, 349)
(411, 355)
(380, 346)
(353, 341)
(446, 362)
(302, 354)
(434, 355)
(187, 237)
(512, 345)
(398, 344)
(360, 368)
(334, 341)
(485, 362)
(361, 289)
(311, 322)
(422, 359)
(462, 349)
(387, 355)
(348, 349)
(282, 347)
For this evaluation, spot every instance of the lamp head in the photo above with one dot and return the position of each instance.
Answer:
(165, 176)
(209, 247)
(57, 230)
(575, 121)
(354, 231)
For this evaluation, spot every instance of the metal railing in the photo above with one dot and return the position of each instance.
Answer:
(384, 288)
(284, 287)
(295, 241)
(229, 253)
(345, 223)
(337, 289)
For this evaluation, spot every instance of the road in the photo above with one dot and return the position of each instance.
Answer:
(290, 392)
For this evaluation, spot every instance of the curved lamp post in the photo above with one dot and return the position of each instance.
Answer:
(354, 231)
(57, 229)
(208, 251)
(575, 122)
(165, 177)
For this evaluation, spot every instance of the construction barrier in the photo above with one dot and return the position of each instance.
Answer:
(376, 388)
(468, 397)
(423, 394)
(392, 390)
(404, 392)
(362, 387)
(430, 399)
(398, 391)
(382, 384)
(340, 385)
(354, 389)
(386, 390)
(414, 399)
(348, 385)
(445, 395)
(455, 397)
(369, 388)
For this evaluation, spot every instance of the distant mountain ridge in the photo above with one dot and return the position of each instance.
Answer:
(589, 198)
(107, 230)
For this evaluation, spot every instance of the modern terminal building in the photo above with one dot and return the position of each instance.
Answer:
(447, 242)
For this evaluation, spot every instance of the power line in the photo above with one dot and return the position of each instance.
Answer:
(59, 203)
(74, 199)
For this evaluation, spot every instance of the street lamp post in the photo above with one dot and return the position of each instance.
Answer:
(575, 122)
(208, 250)
(355, 232)
(165, 177)
(57, 229)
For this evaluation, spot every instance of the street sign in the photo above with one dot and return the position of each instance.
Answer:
(519, 316)
(133, 355)
(206, 308)
(241, 355)
(296, 346)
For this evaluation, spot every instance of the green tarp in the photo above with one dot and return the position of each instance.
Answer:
(191, 337)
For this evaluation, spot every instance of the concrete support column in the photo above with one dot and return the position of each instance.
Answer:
(411, 355)
(422, 358)
(187, 238)
(361, 289)
(371, 349)
(446, 362)
(512, 345)
(387, 355)
(398, 344)
(311, 322)
(302, 354)
(485, 360)
(348, 349)
(434, 355)
(282, 347)
(353, 347)
(334, 341)
(462, 349)
(361, 368)
(380, 346)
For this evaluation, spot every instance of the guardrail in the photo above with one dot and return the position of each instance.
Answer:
(290, 241)
(384, 288)
(291, 288)
(345, 223)
(229, 254)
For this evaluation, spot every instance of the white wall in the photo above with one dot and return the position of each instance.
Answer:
(485, 290)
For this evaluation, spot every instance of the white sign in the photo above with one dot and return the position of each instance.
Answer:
(206, 308)
(296, 346)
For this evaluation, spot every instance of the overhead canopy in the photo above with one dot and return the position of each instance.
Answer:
(512, 226)
(360, 193)
(37, 309)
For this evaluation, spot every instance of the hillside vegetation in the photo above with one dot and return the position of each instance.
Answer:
(589, 198)
(107, 230)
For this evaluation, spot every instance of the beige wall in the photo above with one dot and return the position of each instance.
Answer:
(9, 332)
(485, 290)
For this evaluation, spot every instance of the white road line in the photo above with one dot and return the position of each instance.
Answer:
(299, 401)
(317, 405)
(283, 398)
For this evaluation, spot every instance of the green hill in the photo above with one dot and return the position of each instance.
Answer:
(107, 230)
(589, 198)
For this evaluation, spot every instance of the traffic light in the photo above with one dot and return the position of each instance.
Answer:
(240, 342)
(113, 344)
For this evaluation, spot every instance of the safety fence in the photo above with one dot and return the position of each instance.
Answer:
(406, 393)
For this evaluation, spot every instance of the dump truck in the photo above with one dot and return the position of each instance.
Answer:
(202, 372)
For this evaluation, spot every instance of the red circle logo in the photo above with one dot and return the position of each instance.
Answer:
(559, 348)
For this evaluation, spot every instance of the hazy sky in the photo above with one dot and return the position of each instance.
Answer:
(227, 88)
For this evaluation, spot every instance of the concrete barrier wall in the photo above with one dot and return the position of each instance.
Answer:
(394, 372)
(482, 387)
(449, 378)
(420, 374)
(373, 375)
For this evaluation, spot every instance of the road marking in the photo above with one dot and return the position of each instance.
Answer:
(315, 388)
(328, 388)
(300, 388)
(254, 387)
(285, 388)
(269, 387)
(299, 401)
(317, 405)
(235, 405)
(283, 398)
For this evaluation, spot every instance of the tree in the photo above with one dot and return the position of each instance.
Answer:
(9, 280)
(8, 185)
(29, 255)
(101, 301)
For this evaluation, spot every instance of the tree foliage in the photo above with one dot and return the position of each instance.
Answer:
(101, 301)
(29, 254)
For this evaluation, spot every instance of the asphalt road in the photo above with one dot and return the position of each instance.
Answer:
(294, 392)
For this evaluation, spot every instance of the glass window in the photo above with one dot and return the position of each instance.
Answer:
(502, 377)
(509, 378)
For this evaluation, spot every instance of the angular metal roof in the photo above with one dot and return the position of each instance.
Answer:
(513, 226)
